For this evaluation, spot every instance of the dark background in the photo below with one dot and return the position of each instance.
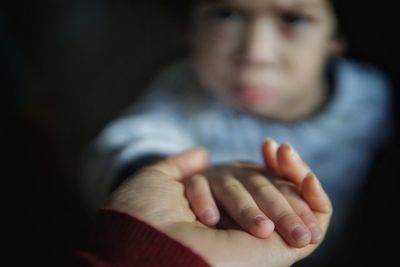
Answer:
(68, 67)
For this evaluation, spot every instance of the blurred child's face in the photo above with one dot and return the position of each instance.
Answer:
(264, 56)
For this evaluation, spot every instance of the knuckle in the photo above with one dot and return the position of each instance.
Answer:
(286, 188)
(246, 210)
(306, 215)
(196, 189)
(193, 182)
(198, 197)
(284, 215)
(230, 186)
(263, 190)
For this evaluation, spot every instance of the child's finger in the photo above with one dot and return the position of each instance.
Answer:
(315, 195)
(291, 165)
(289, 225)
(199, 195)
(240, 205)
(302, 209)
(269, 152)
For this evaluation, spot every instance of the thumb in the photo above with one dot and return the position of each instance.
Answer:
(184, 164)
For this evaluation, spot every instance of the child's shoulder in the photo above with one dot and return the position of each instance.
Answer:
(359, 89)
(353, 72)
(361, 81)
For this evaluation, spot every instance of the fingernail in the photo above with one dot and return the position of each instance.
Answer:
(271, 141)
(316, 233)
(299, 233)
(210, 216)
(266, 140)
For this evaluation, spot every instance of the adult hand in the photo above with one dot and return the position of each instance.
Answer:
(156, 196)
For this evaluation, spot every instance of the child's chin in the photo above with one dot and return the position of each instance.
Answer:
(258, 109)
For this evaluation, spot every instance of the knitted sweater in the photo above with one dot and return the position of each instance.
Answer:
(120, 240)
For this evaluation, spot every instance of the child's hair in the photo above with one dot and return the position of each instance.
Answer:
(183, 9)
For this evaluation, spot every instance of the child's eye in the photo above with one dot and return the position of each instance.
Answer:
(294, 19)
(225, 13)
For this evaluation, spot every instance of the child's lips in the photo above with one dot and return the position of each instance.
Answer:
(250, 94)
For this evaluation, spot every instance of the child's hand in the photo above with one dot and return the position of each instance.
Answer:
(302, 190)
(259, 203)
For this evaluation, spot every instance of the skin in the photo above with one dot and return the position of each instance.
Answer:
(257, 199)
(168, 210)
(266, 57)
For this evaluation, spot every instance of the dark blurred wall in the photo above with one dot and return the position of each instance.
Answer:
(67, 68)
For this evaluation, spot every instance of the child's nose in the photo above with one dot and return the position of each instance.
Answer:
(260, 44)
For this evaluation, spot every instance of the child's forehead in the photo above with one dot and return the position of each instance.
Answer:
(285, 3)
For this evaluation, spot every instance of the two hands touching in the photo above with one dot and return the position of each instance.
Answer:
(181, 195)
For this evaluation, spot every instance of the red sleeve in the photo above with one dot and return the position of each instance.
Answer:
(120, 240)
